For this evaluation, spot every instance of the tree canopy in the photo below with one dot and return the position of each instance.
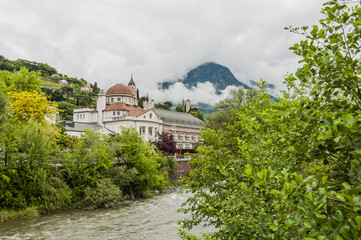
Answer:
(17, 81)
(31, 105)
(290, 170)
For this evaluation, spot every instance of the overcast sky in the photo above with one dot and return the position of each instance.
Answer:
(104, 41)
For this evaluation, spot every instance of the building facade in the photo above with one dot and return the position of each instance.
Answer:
(118, 107)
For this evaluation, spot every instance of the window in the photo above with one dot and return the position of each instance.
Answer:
(83, 116)
(118, 99)
(112, 100)
(118, 112)
(77, 116)
(150, 115)
(113, 113)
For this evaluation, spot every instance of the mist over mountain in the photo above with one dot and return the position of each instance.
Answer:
(219, 76)
(206, 77)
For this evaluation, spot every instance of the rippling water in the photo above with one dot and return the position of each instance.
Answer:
(153, 218)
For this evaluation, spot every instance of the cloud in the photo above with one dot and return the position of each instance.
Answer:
(157, 40)
(202, 93)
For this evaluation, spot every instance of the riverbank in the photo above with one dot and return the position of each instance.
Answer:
(29, 212)
(33, 212)
(153, 218)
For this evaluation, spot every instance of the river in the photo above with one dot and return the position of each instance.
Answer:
(154, 218)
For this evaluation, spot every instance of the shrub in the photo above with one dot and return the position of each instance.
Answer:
(104, 195)
(56, 195)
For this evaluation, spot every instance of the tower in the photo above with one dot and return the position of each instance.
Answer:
(100, 107)
(132, 86)
(186, 104)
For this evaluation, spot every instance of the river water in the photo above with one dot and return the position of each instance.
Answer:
(155, 218)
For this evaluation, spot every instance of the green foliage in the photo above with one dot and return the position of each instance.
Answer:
(179, 109)
(141, 100)
(195, 112)
(66, 110)
(64, 141)
(168, 166)
(217, 120)
(27, 150)
(56, 195)
(6, 64)
(289, 170)
(83, 99)
(17, 81)
(104, 194)
(222, 115)
(85, 164)
(29, 212)
(3, 104)
(166, 105)
(138, 161)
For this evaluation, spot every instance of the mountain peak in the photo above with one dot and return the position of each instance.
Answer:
(219, 76)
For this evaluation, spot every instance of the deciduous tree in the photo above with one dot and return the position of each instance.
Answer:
(165, 143)
(22, 80)
(31, 105)
(290, 170)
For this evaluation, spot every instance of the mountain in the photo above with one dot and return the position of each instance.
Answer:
(219, 76)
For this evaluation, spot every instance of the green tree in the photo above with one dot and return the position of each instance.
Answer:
(141, 100)
(66, 110)
(166, 105)
(179, 109)
(67, 90)
(222, 114)
(195, 112)
(218, 119)
(32, 105)
(290, 170)
(27, 149)
(22, 80)
(137, 160)
(3, 104)
(57, 95)
(86, 163)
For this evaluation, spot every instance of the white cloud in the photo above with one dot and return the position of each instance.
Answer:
(203, 93)
(157, 40)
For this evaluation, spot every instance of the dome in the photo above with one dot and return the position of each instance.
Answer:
(120, 89)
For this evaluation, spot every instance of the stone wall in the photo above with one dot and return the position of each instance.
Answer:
(182, 169)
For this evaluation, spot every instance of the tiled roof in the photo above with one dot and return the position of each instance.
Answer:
(178, 118)
(133, 110)
(120, 89)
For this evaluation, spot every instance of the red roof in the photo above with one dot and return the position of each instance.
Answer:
(133, 110)
(120, 89)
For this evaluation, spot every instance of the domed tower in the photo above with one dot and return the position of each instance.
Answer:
(121, 93)
(132, 86)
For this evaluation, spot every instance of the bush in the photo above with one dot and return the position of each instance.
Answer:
(104, 195)
(56, 195)
(168, 166)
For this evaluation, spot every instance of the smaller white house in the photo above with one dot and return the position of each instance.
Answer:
(86, 88)
(63, 82)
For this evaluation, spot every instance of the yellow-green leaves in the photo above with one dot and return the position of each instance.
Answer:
(31, 105)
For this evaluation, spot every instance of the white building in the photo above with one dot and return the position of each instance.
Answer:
(118, 107)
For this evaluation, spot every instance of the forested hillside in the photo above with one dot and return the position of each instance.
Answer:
(67, 96)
